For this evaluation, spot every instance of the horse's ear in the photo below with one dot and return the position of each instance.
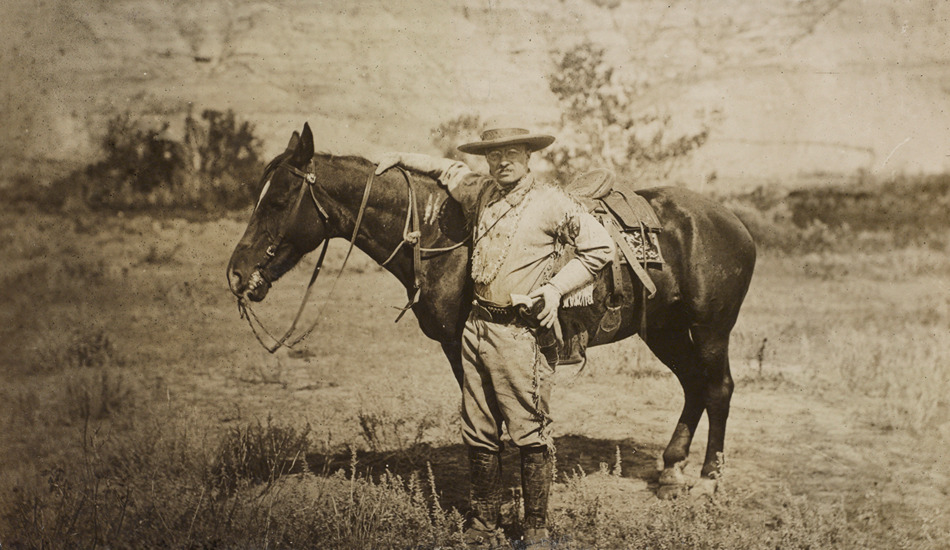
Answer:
(294, 140)
(303, 152)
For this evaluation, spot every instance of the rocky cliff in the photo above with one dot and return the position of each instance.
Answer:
(798, 86)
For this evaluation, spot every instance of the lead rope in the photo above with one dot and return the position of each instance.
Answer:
(356, 230)
(247, 313)
(416, 250)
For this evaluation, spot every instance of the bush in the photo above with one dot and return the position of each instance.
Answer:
(451, 133)
(259, 453)
(864, 214)
(96, 395)
(225, 159)
(216, 165)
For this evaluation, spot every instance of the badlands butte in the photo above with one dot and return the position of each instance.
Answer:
(794, 87)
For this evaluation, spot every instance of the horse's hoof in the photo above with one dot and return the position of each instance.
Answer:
(674, 475)
(669, 492)
(704, 488)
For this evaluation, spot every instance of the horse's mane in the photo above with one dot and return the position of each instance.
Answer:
(364, 163)
(335, 160)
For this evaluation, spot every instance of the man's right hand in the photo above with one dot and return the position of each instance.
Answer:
(433, 166)
(552, 300)
(387, 161)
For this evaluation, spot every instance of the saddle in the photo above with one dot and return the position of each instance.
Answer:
(634, 227)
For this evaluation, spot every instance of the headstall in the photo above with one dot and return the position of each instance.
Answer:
(411, 237)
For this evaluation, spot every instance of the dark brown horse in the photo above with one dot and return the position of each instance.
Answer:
(709, 261)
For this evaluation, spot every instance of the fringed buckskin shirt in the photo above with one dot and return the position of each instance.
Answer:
(518, 234)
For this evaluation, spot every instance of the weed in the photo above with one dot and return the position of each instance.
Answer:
(92, 349)
(83, 347)
(905, 373)
(151, 488)
(26, 407)
(259, 453)
(595, 514)
(270, 370)
(391, 431)
(95, 394)
(404, 420)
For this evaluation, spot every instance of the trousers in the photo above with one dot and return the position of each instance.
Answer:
(505, 381)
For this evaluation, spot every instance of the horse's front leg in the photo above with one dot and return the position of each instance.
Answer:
(453, 352)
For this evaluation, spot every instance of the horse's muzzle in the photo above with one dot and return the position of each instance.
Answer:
(254, 287)
(257, 285)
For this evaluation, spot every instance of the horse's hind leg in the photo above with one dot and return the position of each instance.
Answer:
(713, 346)
(676, 349)
(699, 358)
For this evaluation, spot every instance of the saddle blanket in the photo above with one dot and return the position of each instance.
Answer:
(649, 254)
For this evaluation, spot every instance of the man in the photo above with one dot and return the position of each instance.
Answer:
(520, 227)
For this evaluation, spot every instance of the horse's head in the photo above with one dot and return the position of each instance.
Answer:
(287, 222)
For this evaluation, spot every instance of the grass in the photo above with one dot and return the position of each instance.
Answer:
(259, 453)
(162, 487)
(137, 411)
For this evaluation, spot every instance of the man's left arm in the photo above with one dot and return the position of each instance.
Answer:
(594, 250)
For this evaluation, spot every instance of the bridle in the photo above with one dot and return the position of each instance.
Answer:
(411, 236)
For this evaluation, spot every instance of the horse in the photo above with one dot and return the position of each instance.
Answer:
(709, 259)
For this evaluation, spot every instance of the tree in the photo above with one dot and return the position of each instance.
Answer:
(602, 125)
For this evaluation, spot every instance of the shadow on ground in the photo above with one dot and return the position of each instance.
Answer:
(450, 464)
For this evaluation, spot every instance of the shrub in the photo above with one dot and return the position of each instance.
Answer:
(595, 512)
(215, 165)
(404, 421)
(97, 396)
(225, 159)
(865, 214)
(354, 511)
(84, 347)
(448, 135)
(258, 453)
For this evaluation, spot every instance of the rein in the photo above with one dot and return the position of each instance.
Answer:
(412, 238)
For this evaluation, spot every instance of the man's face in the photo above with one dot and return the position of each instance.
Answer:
(508, 164)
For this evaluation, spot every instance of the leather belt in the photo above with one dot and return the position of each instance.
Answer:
(503, 315)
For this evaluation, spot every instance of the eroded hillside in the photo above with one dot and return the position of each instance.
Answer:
(796, 86)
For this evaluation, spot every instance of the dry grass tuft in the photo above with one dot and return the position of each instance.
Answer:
(259, 453)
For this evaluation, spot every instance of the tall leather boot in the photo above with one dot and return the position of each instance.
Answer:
(537, 473)
(485, 471)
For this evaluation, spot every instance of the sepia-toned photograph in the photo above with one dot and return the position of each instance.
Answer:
(486, 274)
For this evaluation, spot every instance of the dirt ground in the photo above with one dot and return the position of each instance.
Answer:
(840, 365)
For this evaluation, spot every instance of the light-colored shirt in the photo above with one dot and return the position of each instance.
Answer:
(519, 233)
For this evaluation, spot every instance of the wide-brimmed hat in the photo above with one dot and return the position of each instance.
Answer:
(499, 137)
